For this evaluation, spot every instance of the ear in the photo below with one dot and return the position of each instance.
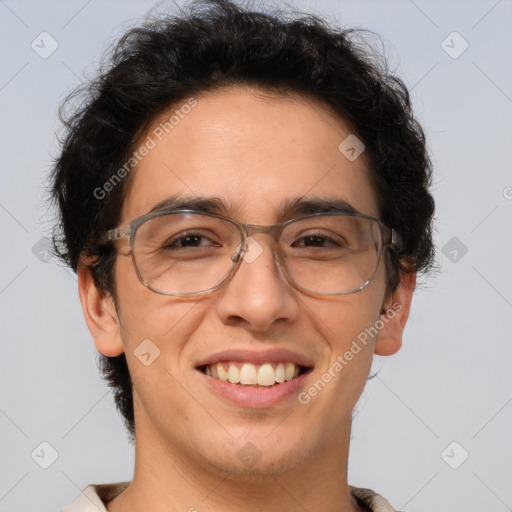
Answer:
(100, 314)
(394, 318)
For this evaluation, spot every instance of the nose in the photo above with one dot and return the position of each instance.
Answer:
(258, 295)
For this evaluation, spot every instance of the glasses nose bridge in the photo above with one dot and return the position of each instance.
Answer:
(248, 231)
(256, 229)
(273, 230)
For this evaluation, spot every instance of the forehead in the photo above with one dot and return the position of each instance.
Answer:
(252, 151)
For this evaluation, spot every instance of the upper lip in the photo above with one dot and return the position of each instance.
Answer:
(257, 357)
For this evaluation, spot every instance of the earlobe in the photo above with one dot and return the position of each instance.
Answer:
(394, 318)
(100, 314)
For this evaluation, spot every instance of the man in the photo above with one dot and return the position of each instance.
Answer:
(245, 200)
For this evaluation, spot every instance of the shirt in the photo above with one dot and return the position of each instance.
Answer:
(94, 497)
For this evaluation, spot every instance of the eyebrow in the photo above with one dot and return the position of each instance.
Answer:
(199, 204)
(301, 206)
(288, 208)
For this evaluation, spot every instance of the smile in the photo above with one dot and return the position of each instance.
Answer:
(255, 379)
(248, 374)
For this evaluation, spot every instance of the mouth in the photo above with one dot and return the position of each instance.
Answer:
(264, 375)
(252, 379)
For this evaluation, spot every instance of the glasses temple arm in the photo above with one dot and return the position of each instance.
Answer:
(115, 234)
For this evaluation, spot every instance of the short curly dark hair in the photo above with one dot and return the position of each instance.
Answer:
(216, 43)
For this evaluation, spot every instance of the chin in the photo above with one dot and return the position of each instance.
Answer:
(253, 457)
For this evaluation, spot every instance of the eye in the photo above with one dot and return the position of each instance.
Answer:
(190, 239)
(321, 240)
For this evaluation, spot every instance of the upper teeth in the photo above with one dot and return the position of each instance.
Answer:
(247, 373)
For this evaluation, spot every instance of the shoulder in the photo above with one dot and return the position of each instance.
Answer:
(373, 501)
(94, 497)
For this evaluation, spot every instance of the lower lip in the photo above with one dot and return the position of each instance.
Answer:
(246, 396)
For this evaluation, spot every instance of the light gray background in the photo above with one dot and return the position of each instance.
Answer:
(450, 382)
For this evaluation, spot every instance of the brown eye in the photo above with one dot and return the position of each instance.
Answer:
(189, 240)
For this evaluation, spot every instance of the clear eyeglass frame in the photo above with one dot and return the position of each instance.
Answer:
(389, 238)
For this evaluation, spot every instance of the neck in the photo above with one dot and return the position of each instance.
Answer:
(167, 479)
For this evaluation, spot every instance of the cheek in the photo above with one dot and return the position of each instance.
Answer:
(142, 312)
(339, 382)
(344, 320)
(348, 329)
(168, 322)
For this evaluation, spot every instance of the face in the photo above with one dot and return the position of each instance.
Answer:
(253, 152)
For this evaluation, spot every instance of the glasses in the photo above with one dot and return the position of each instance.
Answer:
(185, 253)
